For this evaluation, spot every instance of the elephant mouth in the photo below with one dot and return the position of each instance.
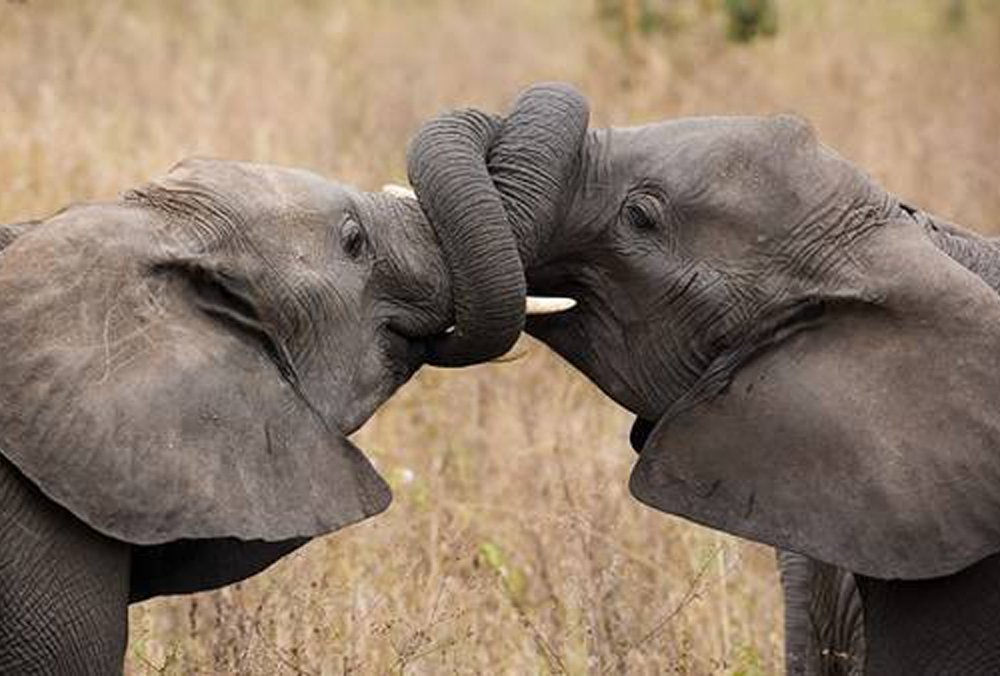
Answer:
(404, 350)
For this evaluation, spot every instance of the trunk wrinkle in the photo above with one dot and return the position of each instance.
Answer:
(494, 190)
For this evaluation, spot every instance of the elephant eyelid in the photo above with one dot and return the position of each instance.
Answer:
(643, 210)
(354, 238)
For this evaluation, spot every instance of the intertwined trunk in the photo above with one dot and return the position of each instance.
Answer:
(481, 180)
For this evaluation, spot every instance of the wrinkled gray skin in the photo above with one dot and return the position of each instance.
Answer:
(813, 364)
(824, 618)
(180, 370)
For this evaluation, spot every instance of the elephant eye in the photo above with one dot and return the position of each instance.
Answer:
(354, 239)
(637, 217)
(642, 213)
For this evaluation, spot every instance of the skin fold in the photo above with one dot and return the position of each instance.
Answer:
(181, 370)
(811, 361)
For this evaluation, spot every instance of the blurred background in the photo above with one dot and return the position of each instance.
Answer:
(513, 545)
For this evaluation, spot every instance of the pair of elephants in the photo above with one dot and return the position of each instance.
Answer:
(812, 364)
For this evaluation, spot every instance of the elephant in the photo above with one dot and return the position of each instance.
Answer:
(181, 368)
(811, 360)
(824, 617)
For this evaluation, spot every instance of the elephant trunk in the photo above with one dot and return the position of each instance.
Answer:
(448, 173)
(494, 190)
(534, 159)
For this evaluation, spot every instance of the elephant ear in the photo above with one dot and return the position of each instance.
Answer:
(141, 388)
(872, 441)
(11, 231)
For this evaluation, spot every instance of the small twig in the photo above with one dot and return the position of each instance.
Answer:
(402, 662)
(552, 658)
(431, 619)
(561, 519)
(689, 595)
(279, 654)
(142, 658)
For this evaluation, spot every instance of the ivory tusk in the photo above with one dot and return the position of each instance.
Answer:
(536, 305)
(397, 190)
(547, 305)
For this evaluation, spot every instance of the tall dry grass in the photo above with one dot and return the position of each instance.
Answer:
(513, 545)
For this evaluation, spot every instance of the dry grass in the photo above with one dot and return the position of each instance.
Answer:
(513, 545)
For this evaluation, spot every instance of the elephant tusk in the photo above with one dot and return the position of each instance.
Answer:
(397, 190)
(541, 305)
(547, 305)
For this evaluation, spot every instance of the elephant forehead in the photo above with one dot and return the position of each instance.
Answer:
(740, 180)
(285, 217)
(713, 150)
(258, 192)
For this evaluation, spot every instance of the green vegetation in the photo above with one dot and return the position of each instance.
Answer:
(751, 18)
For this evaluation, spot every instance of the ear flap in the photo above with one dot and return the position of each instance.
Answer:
(871, 442)
(141, 389)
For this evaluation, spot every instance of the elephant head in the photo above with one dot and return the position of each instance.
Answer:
(184, 365)
(811, 365)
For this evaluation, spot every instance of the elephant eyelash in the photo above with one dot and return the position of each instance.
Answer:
(643, 212)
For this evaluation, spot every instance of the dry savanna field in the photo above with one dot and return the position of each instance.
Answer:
(513, 545)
